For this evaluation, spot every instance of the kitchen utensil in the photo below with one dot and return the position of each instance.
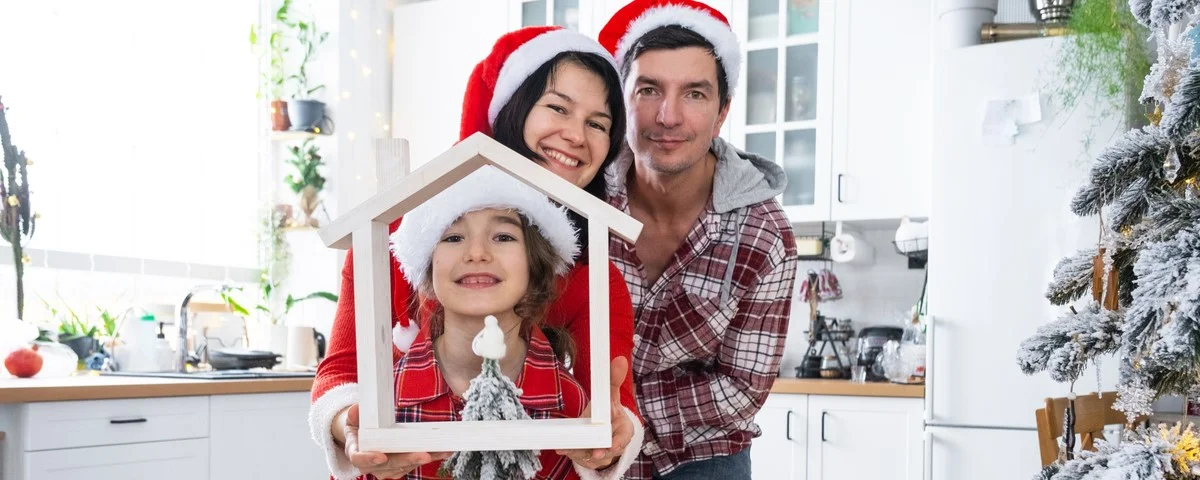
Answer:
(870, 343)
(241, 359)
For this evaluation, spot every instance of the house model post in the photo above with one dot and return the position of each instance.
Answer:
(365, 228)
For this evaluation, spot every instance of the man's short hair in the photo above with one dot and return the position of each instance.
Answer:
(674, 37)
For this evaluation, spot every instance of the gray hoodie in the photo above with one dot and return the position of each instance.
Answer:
(743, 178)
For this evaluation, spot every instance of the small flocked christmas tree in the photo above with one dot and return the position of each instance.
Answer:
(1145, 277)
(492, 396)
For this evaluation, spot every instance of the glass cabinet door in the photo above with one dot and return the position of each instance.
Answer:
(564, 13)
(783, 109)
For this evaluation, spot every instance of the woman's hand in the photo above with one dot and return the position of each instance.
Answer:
(596, 459)
(382, 465)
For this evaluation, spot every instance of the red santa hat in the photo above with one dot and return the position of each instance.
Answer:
(639, 17)
(487, 187)
(515, 56)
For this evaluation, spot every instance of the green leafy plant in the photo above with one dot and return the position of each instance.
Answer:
(268, 41)
(71, 323)
(310, 38)
(275, 315)
(306, 159)
(1105, 56)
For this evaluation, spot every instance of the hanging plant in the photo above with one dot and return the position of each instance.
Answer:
(1105, 57)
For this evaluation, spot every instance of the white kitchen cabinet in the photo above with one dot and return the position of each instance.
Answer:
(783, 105)
(779, 453)
(176, 459)
(864, 438)
(247, 429)
(882, 108)
(842, 100)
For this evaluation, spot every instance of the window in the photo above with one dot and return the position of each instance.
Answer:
(141, 119)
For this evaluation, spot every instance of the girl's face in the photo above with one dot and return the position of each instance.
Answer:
(480, 265)
(569, 126)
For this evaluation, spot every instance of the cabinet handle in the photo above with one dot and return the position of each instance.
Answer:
(789, 425)
(839, 187)
(123, 421)
(823, 414)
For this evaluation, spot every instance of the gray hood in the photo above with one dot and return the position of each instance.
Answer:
(743, 178)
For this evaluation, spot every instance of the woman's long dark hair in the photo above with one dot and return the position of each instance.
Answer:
(509, 128)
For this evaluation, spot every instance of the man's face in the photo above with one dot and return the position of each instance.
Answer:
(674, 108)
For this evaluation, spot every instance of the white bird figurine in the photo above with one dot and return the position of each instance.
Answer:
(489, 342)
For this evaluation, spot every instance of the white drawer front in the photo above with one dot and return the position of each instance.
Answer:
(53, 425)
(177, 460)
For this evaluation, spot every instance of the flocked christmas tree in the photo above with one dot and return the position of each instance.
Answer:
(1145, 276)
(16, 217)
(492, 396)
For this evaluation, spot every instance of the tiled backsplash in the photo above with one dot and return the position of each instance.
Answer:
(879, 293)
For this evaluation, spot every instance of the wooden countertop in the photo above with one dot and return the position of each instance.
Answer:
(103, 387)
(818, 386)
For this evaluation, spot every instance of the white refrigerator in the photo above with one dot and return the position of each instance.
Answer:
(999, 224)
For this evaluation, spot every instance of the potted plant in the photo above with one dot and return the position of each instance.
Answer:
(269, 42)
(272, 335)
(305, 113)
(75, 332)
(306, 181)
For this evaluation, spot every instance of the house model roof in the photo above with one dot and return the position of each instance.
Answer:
(459, 161)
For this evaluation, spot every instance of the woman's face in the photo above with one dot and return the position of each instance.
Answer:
(480, 265)
(569, 126)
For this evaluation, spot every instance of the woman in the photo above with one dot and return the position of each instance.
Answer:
(554, 96)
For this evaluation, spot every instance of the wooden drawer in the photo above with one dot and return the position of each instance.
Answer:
(177, 460)
(53, 425)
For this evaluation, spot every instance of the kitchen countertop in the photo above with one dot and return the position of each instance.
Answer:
(820, 386)
(103, 387)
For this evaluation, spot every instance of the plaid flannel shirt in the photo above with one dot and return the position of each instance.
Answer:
(709, 333)
(547, 391)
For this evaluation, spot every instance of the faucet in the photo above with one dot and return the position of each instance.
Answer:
(181, 356)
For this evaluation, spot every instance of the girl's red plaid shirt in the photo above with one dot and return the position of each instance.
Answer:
(547, 391)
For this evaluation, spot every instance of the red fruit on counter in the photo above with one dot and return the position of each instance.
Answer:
(24, 362)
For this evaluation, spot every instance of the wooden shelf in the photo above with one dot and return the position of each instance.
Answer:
(289, 135)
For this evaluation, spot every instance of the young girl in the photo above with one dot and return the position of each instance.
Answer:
(488, 245)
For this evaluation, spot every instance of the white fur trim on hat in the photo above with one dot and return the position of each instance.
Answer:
(725, 43)
(488, 187)
(522, 62)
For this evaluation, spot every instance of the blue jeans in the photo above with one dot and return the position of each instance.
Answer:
(732, 467)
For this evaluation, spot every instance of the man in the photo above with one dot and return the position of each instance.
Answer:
(711, 275)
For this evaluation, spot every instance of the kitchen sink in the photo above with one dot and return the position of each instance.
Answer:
(254, 374)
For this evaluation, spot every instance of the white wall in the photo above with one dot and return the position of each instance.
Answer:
(875, 294)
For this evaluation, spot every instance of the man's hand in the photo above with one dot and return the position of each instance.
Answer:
(382, 465)
(599, 458)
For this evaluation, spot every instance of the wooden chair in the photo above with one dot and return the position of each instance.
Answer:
(1092, 413)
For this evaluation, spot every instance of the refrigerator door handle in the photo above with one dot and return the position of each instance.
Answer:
(928, 455)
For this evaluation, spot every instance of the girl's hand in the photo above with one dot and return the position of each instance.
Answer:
(596, 459)
(382, 465)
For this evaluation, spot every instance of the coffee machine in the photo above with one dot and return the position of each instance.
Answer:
(870, 344)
